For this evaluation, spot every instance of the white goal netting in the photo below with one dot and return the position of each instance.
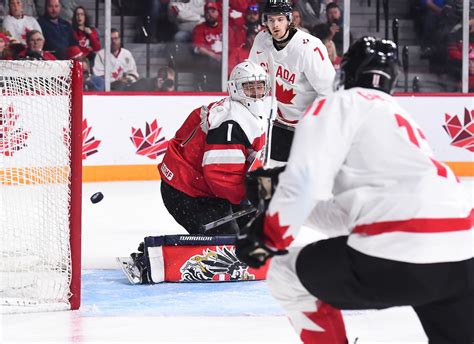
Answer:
(35, 167)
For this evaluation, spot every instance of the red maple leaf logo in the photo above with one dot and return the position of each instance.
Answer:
(89, 146)
(284, 96)
(11, 139)
(23, 36)
(149, 145)
(275, 233)
(462, 135)
(116, 74)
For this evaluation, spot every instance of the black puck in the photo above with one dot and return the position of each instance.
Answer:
(97, 197)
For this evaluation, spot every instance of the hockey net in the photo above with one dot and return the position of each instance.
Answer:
(40, 185)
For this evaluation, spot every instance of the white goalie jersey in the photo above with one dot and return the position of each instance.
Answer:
(302, 70)
(360, 162)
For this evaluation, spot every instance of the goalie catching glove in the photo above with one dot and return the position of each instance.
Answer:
(250, 248)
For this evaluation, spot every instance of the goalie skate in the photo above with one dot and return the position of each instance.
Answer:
(130, 269)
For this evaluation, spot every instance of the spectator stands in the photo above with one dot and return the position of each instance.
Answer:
(161, 47)
(17, 23)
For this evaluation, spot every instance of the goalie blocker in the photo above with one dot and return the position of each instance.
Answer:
(188, 258)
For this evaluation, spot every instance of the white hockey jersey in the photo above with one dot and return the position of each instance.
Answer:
(302, 69)
(18, 28)
(121, 64)
(359, 161)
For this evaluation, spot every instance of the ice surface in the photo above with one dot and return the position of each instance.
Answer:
(114, 311)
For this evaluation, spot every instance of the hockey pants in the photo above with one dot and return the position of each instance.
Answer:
(313, 283)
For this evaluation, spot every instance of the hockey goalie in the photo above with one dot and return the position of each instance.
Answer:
(203, 187)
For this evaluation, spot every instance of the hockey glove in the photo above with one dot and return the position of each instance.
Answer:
(250, 248)
(260, 185)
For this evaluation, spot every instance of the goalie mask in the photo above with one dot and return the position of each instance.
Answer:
(370, 63)
(277, 7)
(248, 84)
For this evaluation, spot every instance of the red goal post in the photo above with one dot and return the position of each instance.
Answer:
(40, 185)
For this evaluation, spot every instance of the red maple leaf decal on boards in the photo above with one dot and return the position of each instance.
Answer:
(462, 134)
(11, 139)
(149, 144)
(89, 146)
(274, 232)
(284, 96)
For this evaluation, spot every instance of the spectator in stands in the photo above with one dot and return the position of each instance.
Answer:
(239, 30)
(323, 32)
(431, 14)
(163, 82)
(297, 20)
(455, 29)
(57, 32)
(311, 11)
(207, 44)
(455, 63)
(334, 21)
(186, 15)
(29, 7)
(12, 46)
(4, 41)
(85, 34)
(91, 82)
(123, 66)
(17, 23)
(241, 53)
(34, 47)
(207, 36)
(66, 12)
(446, 36)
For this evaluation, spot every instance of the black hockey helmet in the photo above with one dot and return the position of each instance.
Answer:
(370, 63)
(283, 7)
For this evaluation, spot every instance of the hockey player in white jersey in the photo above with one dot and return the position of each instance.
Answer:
(360, 164)
(301, 66)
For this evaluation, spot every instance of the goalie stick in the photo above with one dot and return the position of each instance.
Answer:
(273, 110)
(227, 218)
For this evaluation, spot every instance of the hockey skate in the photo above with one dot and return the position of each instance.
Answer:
(135, 267)
(130, 269)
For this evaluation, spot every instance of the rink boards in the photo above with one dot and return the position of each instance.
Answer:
(126, 134)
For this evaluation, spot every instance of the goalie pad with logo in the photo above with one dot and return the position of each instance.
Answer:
(191, 258)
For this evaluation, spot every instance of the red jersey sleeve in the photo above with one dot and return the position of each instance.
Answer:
(199, 39)
(94, 40)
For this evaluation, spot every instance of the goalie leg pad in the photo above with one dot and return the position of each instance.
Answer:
(188, 258)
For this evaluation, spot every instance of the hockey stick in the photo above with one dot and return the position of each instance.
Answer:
(227, 218)
(252, 166)
(273, 110)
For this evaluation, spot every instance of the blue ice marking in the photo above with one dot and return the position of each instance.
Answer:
(108, 293)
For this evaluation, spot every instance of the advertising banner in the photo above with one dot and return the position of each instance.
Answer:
(125, 136)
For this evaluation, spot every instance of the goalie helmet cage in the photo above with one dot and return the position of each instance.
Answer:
(40, 185)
